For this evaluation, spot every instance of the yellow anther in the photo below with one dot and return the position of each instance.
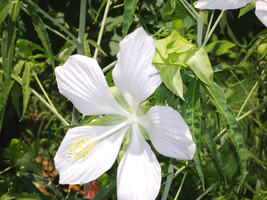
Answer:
(81, 148)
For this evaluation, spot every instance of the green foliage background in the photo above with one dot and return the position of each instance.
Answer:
(218, 85)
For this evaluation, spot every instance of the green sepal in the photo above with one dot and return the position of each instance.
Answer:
(119, 98)
(108, 120)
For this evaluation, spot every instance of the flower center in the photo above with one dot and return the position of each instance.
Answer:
(81, 148)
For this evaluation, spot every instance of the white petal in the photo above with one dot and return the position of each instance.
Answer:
(139, 173)
(82, 81)
(168, 132)
(221, 4)
(134, 73)
(261, 11)
(101, 158)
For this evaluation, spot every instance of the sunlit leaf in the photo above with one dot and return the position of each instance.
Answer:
(199, 62)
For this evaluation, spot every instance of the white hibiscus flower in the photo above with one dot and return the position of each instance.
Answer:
(261, 6)
(87, 152)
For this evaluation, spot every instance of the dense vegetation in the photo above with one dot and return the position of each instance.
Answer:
(221, 94)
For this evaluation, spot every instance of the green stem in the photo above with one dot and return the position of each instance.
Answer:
(180, 188)
(190, 9)
(209, 25)
(168, 181)
(53, 20)
(82, 23)
(61, 35)
(107, 68)
(212, 29)
(260, 106)
(245, 102)
(102, 27)
(80, 50)
(207, 191)
(200, 24)
(43, 90)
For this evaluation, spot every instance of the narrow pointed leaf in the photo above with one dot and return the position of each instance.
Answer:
(129, 9)
(26, 90)
(4, 10)
(42, 33)
(233, 128)
(171, 77)
(192, 115)
(8, 46)
(207, 137)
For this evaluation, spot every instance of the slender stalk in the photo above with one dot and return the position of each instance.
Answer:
(179, 171)
(207, 191)
(200, 24)
(190, 9)
(180, 188)
(245, 102)
(212, 29)
(53, 20)
(64, 122)
(209, 25)
(82, 23)
(242, 117)
(169, 181)
(43, 90)
(102, 27)
(107, 68)
(61, 35)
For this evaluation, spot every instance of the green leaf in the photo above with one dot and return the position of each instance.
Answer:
(173, 10)
(246, 9)
(4, 10)
(171, 77)
(8, 46)
(199, 62)
(108, 120)
(106, 192)
(26, 90)
(233, 128)
(15, 97)
(100, 8)
(220, 47)
(42, 33)
(191, 112)
(207, 137)
(129, 9)
(174, 43)
(48, 184)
